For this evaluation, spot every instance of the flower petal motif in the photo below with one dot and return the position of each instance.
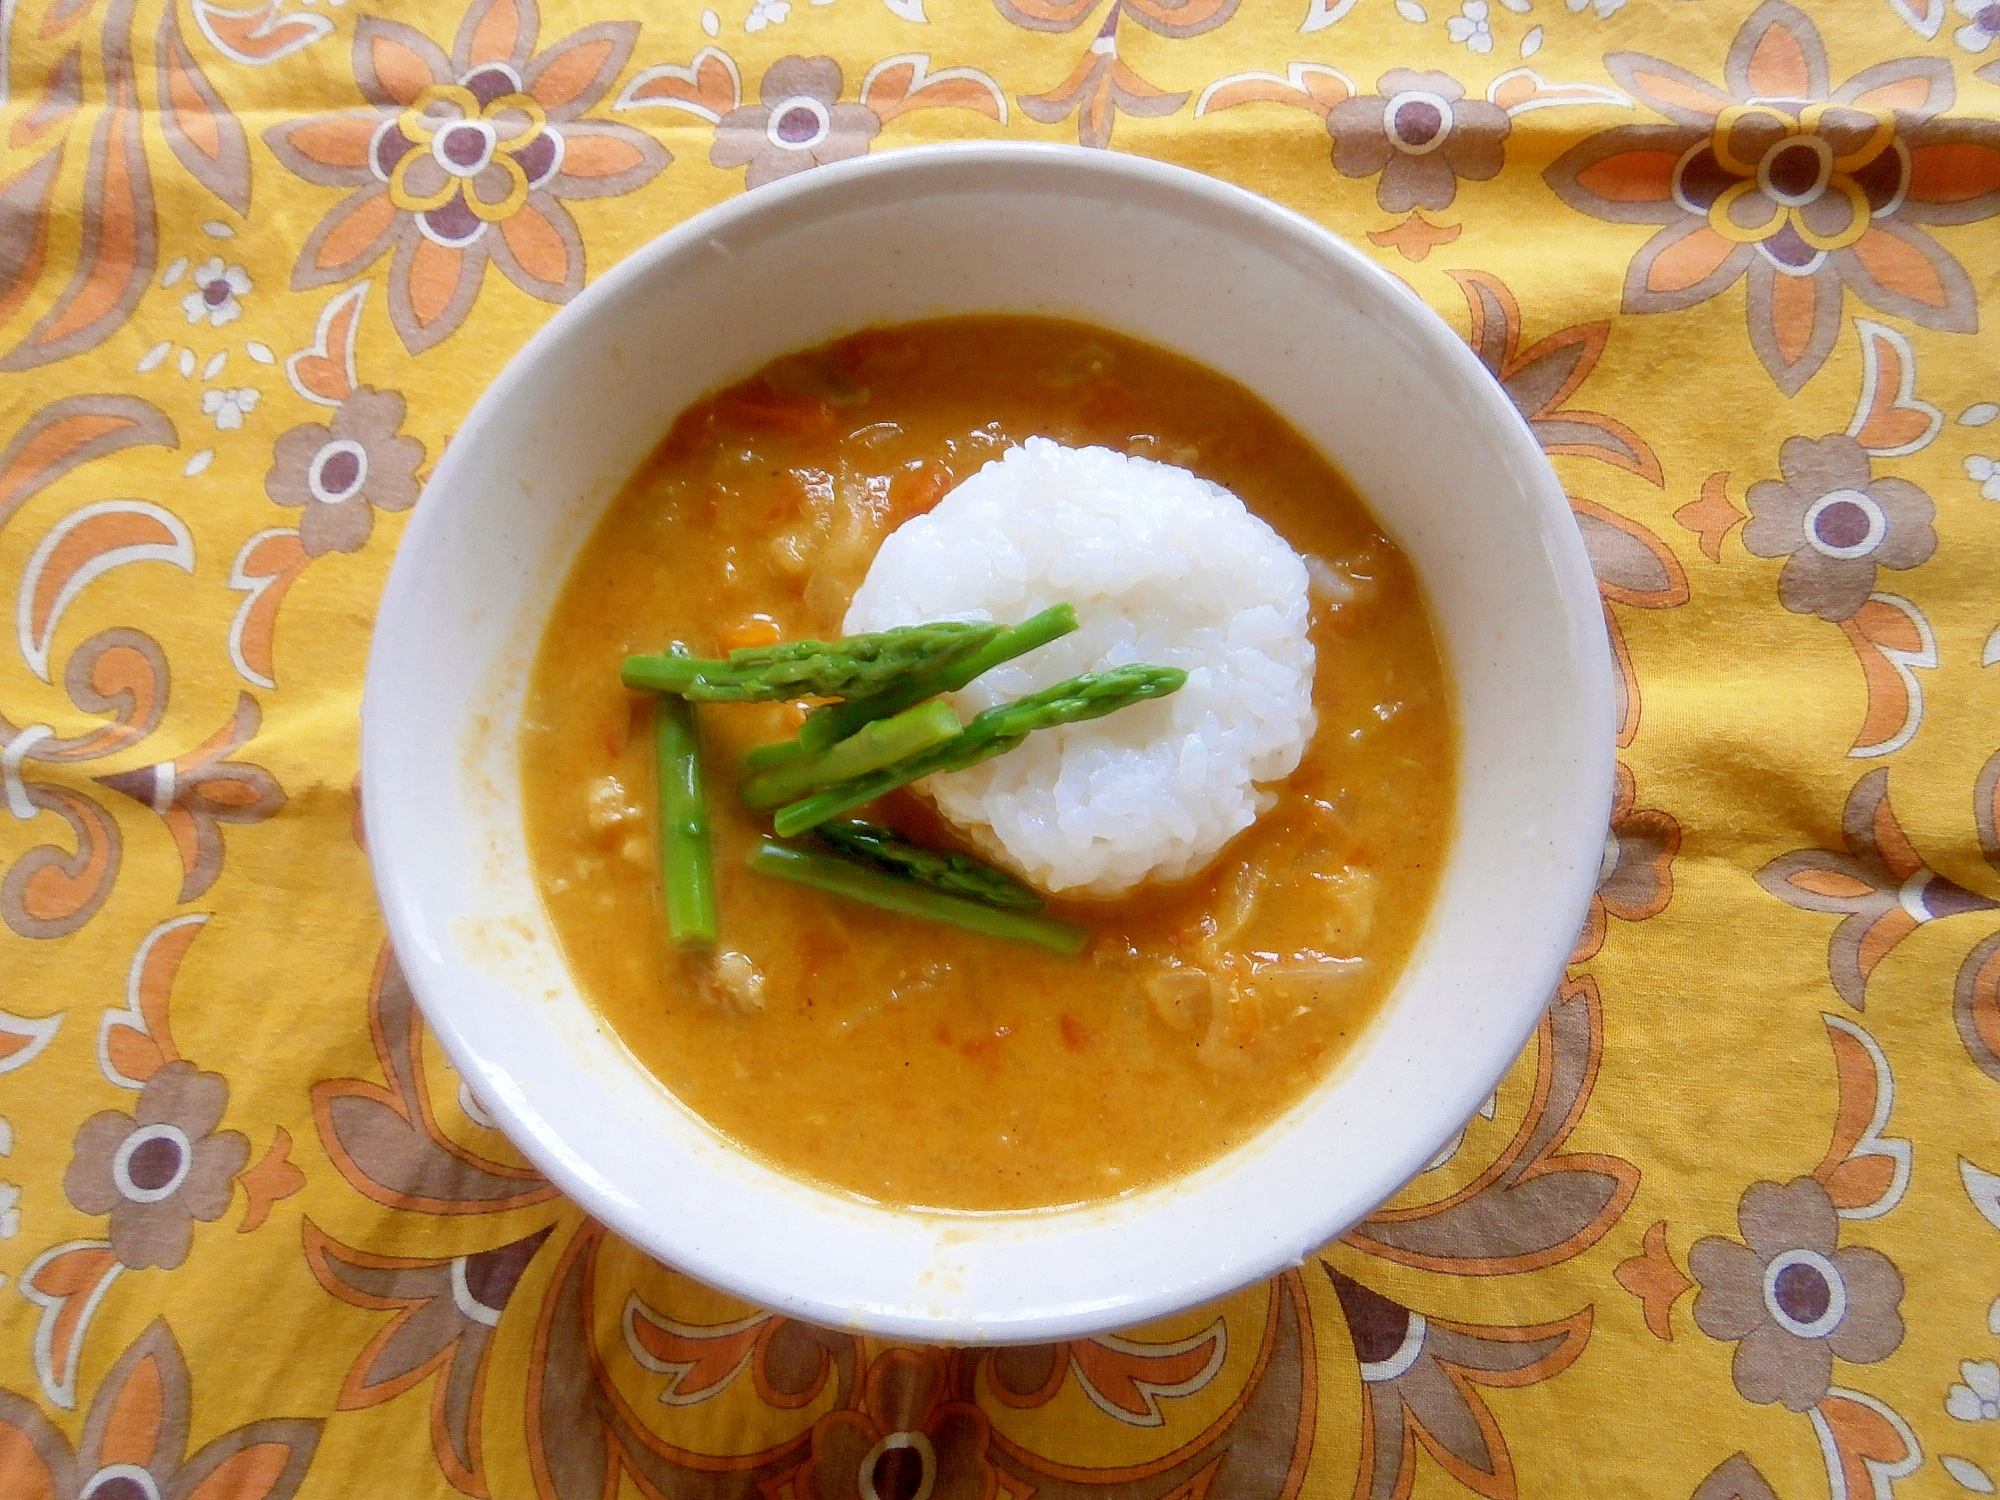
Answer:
(181, 1095)
(331, 150)
(1773, 1365)
(1669, 88)
(605, 161)
(1360, 143)
(1872, 1329)
(1777, 54)
(1474, 149)
(495, 31)
(432, 288)
(1836, 462)
(394, 63)
(1731, 1300)
(800, 77)
(1962, 1402)
(335, 528)
(1795, 1216)
(1794, 321)
(739, 137)
(1954, 172)
(1414, 81)
(355, 233)
(1983, 1376)
(1900, 270)
(87, 1184)
(915, 1440)
(144, 1235)
(1683, 266)
(540, 249)
(1625, 175)
(1832, 588)
(1416, 182)
(1910, 539)
(574, 75)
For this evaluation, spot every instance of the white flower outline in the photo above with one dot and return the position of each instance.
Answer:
(229, 405)
(1471, 26)
(1977, 1399)
(235, 283)
(1983, 18)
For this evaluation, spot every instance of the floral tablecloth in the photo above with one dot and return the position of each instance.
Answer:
(1730, 1229)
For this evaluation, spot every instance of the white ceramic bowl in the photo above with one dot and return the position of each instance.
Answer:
(1340, 349)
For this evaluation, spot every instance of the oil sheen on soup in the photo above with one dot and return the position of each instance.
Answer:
(917, 1064)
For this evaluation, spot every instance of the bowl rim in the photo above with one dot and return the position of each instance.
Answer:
(1575, 585)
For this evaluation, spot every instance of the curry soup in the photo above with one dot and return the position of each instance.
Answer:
(917, 1064)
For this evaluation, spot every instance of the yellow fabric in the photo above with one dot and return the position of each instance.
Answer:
(1727, 1230)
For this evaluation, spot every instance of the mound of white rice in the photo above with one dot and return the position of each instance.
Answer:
(1162, 567)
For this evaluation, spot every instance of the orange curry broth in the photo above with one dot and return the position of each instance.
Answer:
(913, 1063)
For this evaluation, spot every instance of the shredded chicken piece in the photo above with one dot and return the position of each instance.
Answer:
(1307, 979)
(1182, 997)
(794, 551)
(735, 981)
(856, 523)
(1353, 893)
(1235, 1022)
(1334, 589)
(606, 805)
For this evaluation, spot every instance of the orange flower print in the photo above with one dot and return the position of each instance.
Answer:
(1802, 188)
(907, 1440)
(1791, 1298)
(1420, 132)
(1834, 521)
(134, 1442)
(800, 123)
(338, 474)
(463, 159)
(158, 1169)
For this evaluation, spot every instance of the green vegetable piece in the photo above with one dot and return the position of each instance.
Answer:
(954, 874)
(873, 746)
(856, 666)
(898, 893)
(836, 721)
(777, 753)
(994, 732)
(687, 875)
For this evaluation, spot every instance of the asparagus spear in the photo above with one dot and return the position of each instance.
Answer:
(897, 893)
(991, 733)
(876, 744)
(686, 875)
(856, 666)
(954, 874)
(836, 721)
(777, 753)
